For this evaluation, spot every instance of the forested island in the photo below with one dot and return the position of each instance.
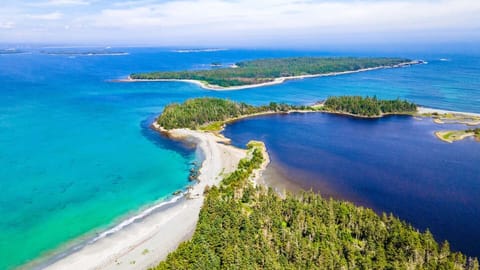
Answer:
(212, 113)
(260, 72)
(85, 53)
(247, 226)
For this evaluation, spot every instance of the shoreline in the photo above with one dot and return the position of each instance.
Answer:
(71, 248)
(159, 231)
(427, 110)
(439, 135)
(145, 243)
(419, 113)
(275, 81)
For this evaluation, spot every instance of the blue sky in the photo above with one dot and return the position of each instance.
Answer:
(203, 23)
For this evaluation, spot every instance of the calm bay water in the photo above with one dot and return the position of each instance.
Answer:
(77, 155)
(393, 164)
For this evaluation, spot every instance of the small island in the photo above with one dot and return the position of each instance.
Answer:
(85, 53)
(211, 114)
(451, 117)
(264, 72)
(11, 51)
(451, 136)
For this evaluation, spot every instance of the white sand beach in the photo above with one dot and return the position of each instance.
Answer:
(145, 243)
(422, 110)
(276, 81)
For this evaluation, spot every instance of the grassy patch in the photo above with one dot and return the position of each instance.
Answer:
(213, 127)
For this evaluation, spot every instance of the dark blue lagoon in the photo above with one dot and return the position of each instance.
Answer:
(393, 164)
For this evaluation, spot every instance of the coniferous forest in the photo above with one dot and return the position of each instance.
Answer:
(368, 106)
(266, 70)
(196, 112)
(247, 227)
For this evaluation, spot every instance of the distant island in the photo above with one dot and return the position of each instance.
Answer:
(264, 72)
(11, 51)
(199, 50)
(85, 53)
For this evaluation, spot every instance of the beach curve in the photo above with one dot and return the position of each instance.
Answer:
(145, 243)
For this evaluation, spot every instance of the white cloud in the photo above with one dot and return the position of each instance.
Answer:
(133, 3)
(251, 21)
(283, 14)
(52, 16)
(61, 3)
(7, 25)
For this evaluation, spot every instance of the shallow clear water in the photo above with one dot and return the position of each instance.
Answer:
(77, 155)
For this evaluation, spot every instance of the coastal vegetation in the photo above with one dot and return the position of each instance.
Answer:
(454, 118)
(211, 113)
(368, 106)
(458, 135)
(11, 51)
(247, 226)
(84, 53)
(267, 70)
(242, 226)
(476, 132)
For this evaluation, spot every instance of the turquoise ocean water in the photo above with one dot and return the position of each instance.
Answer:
(77, 155)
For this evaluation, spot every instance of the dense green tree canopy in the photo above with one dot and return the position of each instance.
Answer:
(367, 106)
(247, 227)
(197, 112)
(266, 70)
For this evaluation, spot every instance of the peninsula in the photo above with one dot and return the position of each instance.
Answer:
(228, 219)
(263, 72)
